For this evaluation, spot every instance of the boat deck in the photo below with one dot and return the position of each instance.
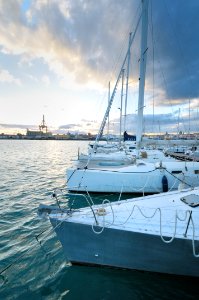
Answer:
(162, 214)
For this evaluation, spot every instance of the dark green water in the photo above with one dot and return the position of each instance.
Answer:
(30, 171)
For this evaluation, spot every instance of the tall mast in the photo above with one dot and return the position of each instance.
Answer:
(121, 107)
(142, 70)
(109, 95)
(189, 117)
(127, 80)
(113, 93)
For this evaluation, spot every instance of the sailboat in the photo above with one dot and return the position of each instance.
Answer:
(158, 233)
(138, 175)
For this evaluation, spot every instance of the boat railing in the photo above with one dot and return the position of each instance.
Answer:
(86, 196)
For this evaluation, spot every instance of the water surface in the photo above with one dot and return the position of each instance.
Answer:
(30, 171)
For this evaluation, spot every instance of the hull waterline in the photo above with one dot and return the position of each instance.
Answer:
(125, 249)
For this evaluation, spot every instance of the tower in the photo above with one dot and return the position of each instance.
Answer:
(43, 126)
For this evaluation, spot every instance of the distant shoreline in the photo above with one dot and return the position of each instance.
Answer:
(47, 136)
(46, 139)
(145, 142)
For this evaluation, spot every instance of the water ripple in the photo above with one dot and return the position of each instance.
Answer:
(30, 170)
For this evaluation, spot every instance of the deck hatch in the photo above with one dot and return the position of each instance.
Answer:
(191, 200)
(176, 172)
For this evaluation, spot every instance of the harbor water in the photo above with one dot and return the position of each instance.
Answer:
(32, 263)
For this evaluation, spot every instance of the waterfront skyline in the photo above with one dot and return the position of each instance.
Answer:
(57, 57)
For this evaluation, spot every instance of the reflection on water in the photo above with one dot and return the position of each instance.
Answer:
(30, 171)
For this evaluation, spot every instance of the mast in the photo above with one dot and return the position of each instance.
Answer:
(189, 118)
(127, 79)
(109, 94)
(121, 107)
(179, 122)
(142, 71)
(113, 93)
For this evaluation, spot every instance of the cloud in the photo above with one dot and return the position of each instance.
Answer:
(45, 79)
(89, 121)
(33, 78)
(69, 126)
(6, 77)
(176, 48)
(161, 122)
(77, 40)
(18, 126)
(70, 36)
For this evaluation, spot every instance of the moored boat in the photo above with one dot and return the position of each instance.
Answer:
(158, 233)
(138, 175)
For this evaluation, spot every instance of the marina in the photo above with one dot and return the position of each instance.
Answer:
(44, 271)
(184, 157)
(101, 201)
(109, 234)
(147, 170)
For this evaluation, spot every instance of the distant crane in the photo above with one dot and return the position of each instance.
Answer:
(43, 126)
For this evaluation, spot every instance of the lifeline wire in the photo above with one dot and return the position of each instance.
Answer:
(150, 217)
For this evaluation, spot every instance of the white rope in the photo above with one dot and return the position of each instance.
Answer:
(172, 238)
(107, 223)
(177, 217)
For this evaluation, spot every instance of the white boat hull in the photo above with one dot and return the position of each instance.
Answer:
(158, 233)
(125, 249)
(135, 179)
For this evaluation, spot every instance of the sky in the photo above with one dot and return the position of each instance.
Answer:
(58, 56)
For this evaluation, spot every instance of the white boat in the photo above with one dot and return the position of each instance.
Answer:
(126, 154)
(105, 152)
(149, 175)
(135, 178)
(118, 156)
(158, 233)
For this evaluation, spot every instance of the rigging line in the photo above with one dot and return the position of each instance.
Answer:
(152, 37)
(122, 50)
(179, 179)
(115, 65)
(18, 258)
(180, 49)
(71, 175)
(31, 248)
(21, 256)
(126, 35)
(33, 239)
(164, 80)
(176, 36)
(103, 123)
(155, 49)
(171, 188)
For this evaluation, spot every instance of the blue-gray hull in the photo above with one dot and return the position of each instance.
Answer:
(125, 249)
